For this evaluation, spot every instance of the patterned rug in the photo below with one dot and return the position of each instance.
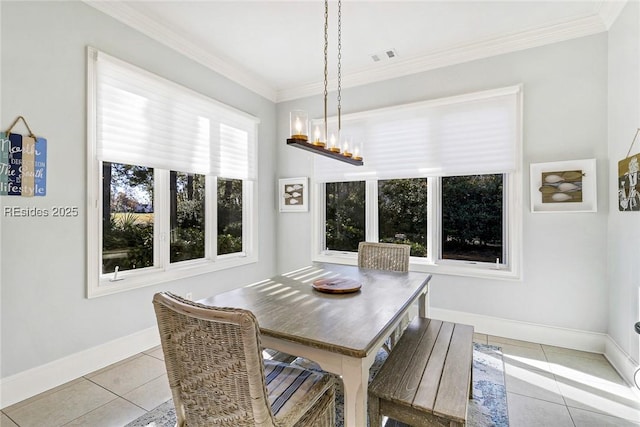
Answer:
(488, 408)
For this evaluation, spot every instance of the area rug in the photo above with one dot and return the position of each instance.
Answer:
(487, 408)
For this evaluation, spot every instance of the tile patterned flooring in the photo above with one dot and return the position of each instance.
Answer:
(546, 386)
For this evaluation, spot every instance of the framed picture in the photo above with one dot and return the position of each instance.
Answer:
(568, 186)
(294, 194)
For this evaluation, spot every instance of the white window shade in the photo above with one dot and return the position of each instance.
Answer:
(235, 156)
(471, 134)
(146, 120)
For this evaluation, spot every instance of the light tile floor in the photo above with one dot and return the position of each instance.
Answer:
(546, 386)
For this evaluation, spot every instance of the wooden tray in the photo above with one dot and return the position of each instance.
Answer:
(336, 285)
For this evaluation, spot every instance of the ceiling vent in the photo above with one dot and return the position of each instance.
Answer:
(385, 55)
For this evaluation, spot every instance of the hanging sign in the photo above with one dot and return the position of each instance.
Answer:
(23, 163)
(628, 184)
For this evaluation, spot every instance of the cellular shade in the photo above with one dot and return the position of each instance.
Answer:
(146, 120)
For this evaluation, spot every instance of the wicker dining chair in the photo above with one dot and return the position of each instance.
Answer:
(218, 376)
(384, 256)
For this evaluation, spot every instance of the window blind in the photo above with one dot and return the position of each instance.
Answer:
(146, 120)
(470, 134)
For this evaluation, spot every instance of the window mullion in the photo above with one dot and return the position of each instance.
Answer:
(320, 217)
(371, 209)
(503, 260)
(211, 217)
(247, 216)
(434, 219)
(162, 228)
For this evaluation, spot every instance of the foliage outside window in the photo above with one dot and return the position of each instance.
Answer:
(187, 206)
(345, 211)
(229, 216)
(127, 217)
(472, 218)
(402, 213)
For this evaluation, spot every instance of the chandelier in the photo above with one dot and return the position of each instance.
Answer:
(336, 146)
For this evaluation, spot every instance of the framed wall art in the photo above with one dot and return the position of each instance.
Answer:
(293, 194)
(568, 186)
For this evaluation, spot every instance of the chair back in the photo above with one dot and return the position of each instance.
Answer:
(214, 363)
(384, 256)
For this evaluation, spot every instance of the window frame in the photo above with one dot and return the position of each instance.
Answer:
(509, 269)
(99, 284)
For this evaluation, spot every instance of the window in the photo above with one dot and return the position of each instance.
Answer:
(472, 218)
(187, 215)
(402, 209)
(174, 176)
(345, 209)
(229, 216)
(440, 176)
(127, 217)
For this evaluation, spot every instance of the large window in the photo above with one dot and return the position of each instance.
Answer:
(441, 176)
(173, 173)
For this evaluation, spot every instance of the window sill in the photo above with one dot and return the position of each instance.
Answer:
(467, 269)
(450, 268)
(128, 280)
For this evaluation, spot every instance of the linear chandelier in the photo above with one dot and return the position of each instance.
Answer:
(337, 146)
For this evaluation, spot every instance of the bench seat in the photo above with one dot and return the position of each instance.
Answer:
(426, 380)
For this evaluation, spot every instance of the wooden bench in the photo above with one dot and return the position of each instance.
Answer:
(426, 380)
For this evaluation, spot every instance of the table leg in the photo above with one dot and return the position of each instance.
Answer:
(423, 305)
(355, 377)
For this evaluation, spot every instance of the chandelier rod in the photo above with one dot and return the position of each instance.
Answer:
(299, 120)
(339, 66)
(326, 70)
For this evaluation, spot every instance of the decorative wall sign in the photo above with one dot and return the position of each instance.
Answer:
(23, 163)
(294, 194)
(568, 186)
(628, 185)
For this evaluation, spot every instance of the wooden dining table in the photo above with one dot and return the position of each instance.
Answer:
(342, 332)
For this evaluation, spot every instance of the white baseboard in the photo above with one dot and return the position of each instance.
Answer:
(622, 362)
(550, 335)
(533, 332)
(33, 381)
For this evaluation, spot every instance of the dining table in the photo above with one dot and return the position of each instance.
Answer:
(341, 330)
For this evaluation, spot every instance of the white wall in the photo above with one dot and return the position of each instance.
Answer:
(44, 313)
(564, 281)
(624, 227)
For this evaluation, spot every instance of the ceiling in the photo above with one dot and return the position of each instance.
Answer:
(275, 48)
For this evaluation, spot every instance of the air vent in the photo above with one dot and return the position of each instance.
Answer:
(385, 55)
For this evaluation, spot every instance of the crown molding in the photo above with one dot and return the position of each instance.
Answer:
(575, 28)
(161, 33)
(609, 10)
